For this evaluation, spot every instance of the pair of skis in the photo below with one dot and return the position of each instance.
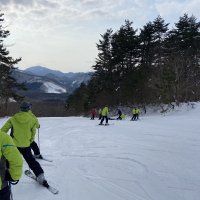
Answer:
(46, 185)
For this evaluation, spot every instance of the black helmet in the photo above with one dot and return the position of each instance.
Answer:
(25, 106)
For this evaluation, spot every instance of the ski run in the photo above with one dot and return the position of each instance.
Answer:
(155, 158)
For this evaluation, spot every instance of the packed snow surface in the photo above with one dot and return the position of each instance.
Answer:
(155, 158)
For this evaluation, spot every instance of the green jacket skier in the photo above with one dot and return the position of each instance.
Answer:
(23, 129)
(136, 112)
(10, 165)
(105, 111)
(104, 114)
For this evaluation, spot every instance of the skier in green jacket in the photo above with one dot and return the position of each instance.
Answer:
(104, 114)
(10, 165)
(23, 130)
(136, 112)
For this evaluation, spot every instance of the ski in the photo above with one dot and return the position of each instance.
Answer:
(105, 124)
(45, 159)
(42, 158)
(50, 188)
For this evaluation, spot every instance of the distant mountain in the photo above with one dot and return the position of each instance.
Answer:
(46, 84)
(44, 71)
(70, 80)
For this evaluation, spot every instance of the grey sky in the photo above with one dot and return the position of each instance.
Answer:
(63, 34)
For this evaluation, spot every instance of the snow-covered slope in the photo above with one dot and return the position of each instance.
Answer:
(43, 80)
(49, 87)
(155, 158)
(46, 86)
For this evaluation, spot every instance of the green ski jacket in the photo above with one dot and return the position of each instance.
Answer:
(9, 153)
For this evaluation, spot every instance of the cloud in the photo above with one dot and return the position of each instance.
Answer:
(65, 21)
(48, 4)
(4, 2)
(23, 2)
(62, 12)
(172, 10)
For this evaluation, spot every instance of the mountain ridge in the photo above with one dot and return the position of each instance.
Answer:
(48, 83)
(43, 71)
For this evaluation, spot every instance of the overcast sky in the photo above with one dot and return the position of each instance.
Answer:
(62, 34)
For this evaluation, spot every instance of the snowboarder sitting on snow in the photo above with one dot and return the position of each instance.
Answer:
(23, 126)
(10, 165)
(104, 113)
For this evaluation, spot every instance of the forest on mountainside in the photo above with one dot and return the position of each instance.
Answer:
(152, 65)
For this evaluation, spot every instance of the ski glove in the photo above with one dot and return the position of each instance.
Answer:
(8, 176)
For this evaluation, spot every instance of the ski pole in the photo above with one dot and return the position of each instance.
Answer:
(39, 138)
(11, 194)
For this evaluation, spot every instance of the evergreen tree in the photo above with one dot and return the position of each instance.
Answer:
(147, 55)
(78, 102)
(184, 41)
(156, 66)
(125, 54)
(125, 45)
(146, 46)
(153, 54)
(104, 67)
(103, 62)
(7, 83)
(160, 29)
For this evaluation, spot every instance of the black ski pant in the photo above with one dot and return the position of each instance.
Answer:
(5, 193)
(104, 117)
(35, 148)
(32, 163)
(134, 117)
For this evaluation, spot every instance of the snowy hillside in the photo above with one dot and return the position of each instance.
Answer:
(155, 158)
(49, 87)
(42, 82)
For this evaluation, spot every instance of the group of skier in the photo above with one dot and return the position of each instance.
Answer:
(21, 142)
(103, 114)
(22, 128)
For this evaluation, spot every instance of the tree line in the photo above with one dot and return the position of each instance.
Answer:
(150, 65)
